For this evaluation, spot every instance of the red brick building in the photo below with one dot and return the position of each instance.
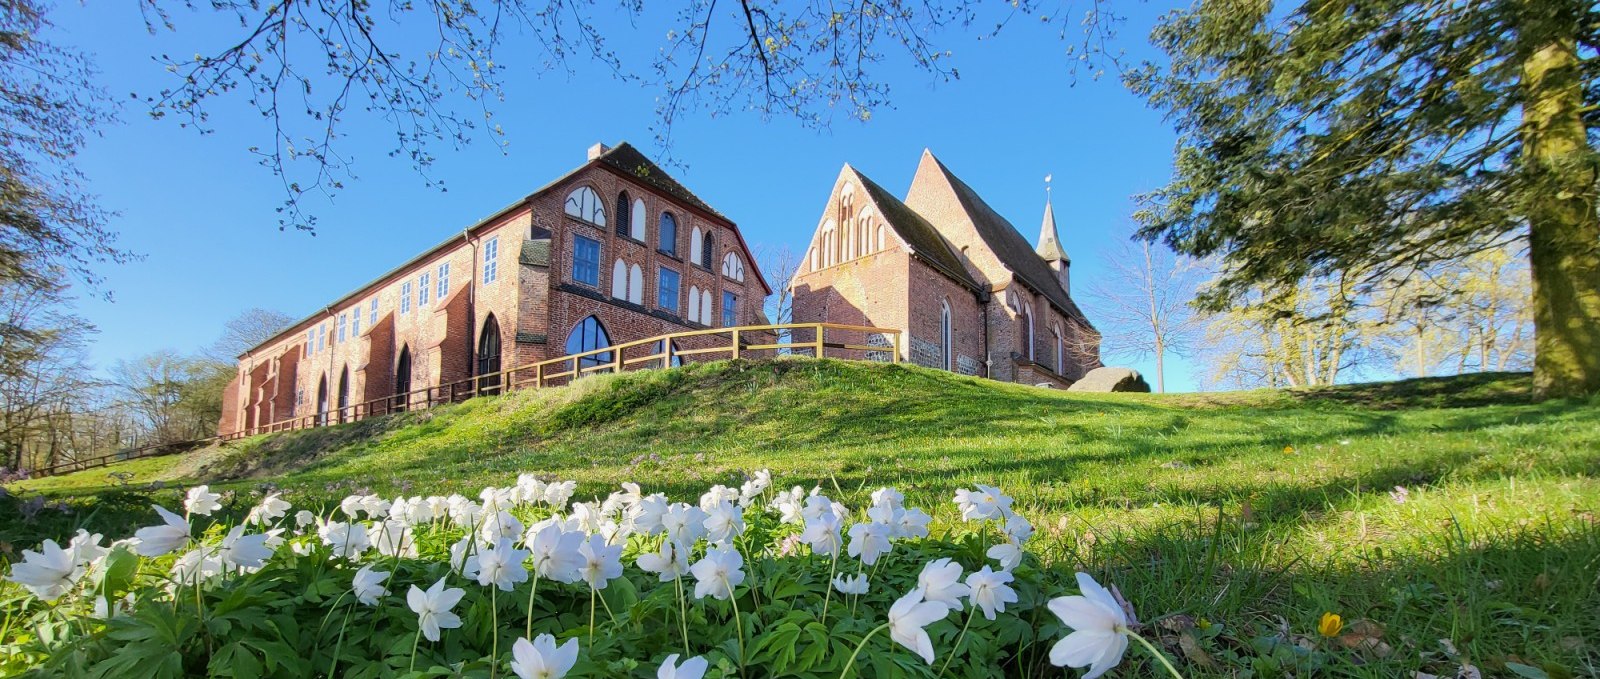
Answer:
(615, 250)
(972, 295)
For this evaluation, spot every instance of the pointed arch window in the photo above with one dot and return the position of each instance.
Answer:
(402, 378)
(589, 335)
(489, 357)
(694, 303)
(637, 220)
(344, 392)
(708, 249)
(322, 401)
(624, 215)
(585, 204)
(619, 280)
(1027, 328)
(696, 250)
(733, 266)
(635, 284)
(668, 234)
(947, 338)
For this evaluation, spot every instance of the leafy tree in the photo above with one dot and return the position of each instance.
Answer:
(51, 228)
(1367, 138)
(1305, 335)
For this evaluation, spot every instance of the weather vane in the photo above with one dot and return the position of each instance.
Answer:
(1047, 186)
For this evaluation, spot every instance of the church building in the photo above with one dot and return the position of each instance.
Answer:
(970, 293)
(616, 250)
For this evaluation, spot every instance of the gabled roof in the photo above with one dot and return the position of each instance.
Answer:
(631, 162)
(924, 240)
(1007, 243)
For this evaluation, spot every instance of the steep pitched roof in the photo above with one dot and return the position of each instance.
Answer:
(631, 162)
(1007, 243)
(924, 240)
(1049, 241)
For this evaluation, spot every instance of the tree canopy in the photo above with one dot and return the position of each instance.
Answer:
(1370, 139)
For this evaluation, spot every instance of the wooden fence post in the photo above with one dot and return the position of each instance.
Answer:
(736, 343)
(895, 358)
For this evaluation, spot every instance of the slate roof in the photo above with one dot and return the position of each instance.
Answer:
(923, 238)
(1011, 247)
(630, 161)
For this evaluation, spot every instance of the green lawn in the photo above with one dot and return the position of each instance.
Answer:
(1249, 513)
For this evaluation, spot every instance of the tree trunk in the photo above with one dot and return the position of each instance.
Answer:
(1563, 227)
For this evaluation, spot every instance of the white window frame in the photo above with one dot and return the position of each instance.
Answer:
(491, 260)
(405, 298)
(444, 281)
(423, 290)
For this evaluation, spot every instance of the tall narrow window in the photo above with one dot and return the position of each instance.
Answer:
(636, 284)
(322, 336)
(344, 326)
(372, 316)
(624, 215)
(1027, 328)
(402, 377)
(730, 310)
(355, 322)
(619, 280)
(489, 357)
(311, 341)
(669, 234)
(344, 392)
(695, 245)
(694, 304)
(667, 290)
(444, 281)
(707, 248)
(589, 335)
(947, 340)
(322, 401)
(586, 261)
(638, 219)
(405, 298)
(423, 290)
(1061, 353)
(491, 260)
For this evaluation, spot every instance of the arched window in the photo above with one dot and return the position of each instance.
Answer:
(489, 357)
(881, 243)
(669, 234)
(947, 338)
(695, 245)
(733, 266)
(636, 284)
(637, 220)
(344, 392)
(1027, 328)
(624, 216)
(694, 303)
(1061, 350)
(815, 262)
(619, 279)
(589, 335)
(673, 360)
(402, 377)
(708, 249)
(322, 401)
(585, 204)
(705, 307)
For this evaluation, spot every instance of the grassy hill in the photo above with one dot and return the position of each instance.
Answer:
(1435, 509)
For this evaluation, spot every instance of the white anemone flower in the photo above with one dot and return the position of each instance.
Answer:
(987, 502)
(645, 516)
(1100, 629)
(48, 573)
(717, 495)
(498, 525)
(242, 551)
(1018, 527)
(684, 522)
(368, 585)
(908, 618)
(196, 566)
(555, 552)
(501, 565)
(912, 523)
(464, 557)
(788, 504)
(348, 540)
(202, 501)
(394, 538)
(669, 563)
(991, 591)
(351, 506)
(304, 518)
(530, 489)
(724, 522)
(851, 584)
(869, 541)
(602, 562)
(271, 508)
(171, 535)
(558, 494)
(888, 497)
(542, 658)
(433, 608)
(940, 582)
(84, 548)
(718, 573)
(375, 507)
(693, 668)
(1008, 553)
(822, 533)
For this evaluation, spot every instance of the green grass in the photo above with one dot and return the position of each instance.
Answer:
(1253, 512)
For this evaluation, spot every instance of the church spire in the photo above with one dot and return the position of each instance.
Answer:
(1049, 241)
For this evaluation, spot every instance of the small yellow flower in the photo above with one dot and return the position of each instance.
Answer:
(1330, 625)
(1288, 450)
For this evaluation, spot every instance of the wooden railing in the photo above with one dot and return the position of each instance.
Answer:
(549, 372)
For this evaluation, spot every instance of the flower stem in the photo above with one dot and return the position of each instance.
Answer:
(959, 638)
(414, 641)
(529, 631)
(494, 632)
(863, 644)
(591, 616)
(1158, 654)
(833, 567)
(738, 629)
(683, 616)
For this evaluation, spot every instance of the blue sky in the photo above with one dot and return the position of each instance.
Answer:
(203, 212)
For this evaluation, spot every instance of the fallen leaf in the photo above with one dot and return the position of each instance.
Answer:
(1469, 672)
(1191, 650)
